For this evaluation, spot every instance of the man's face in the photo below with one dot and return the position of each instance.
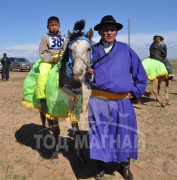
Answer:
(108, 33)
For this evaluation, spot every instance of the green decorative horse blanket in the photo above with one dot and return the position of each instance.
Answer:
(154, 68)
(57, 101)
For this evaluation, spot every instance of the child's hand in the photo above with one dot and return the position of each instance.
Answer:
(60, 54)
(55, 59)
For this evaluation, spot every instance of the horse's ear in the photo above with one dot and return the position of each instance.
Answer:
(90, 34)
(69, 33)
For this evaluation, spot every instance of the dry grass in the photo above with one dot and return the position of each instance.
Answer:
(21, 160)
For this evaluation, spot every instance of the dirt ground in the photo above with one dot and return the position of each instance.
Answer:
(21, 159)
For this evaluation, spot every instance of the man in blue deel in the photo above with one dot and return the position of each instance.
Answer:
(118, 76)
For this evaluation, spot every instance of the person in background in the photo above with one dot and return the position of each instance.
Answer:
(5, 67)
(158, 51)
(118, 77)
(164, 47)
(51, 48)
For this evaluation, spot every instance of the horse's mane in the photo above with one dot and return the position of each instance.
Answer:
(77, 32)
(65, 80)
(79, 25)
(65, 55)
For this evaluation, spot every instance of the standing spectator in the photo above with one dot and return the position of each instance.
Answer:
(158, 51)
(5, 69)
(118, 76)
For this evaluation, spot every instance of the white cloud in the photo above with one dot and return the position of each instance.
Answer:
(139, 42)
(29, 51)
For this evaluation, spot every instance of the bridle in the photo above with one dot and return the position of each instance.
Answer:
(69, 64)
(86, 63)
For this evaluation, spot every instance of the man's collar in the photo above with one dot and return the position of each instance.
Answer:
(106, 45)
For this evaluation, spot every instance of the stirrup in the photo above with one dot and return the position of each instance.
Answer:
(43, 105)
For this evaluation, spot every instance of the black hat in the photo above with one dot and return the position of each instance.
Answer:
(158, 36)
(108, 20)
(161, 38)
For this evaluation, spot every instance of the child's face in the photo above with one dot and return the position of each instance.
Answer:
(157, 40)
(54, 27)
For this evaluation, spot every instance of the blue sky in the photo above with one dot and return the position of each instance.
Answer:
(23, 23)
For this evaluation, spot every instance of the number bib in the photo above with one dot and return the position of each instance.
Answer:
(56, 42)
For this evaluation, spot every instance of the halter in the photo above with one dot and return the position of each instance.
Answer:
(69, 64)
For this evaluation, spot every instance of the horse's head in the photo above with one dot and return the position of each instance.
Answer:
(80, 50)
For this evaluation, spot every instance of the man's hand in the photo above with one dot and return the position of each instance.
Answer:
(90, 75)
(130, 96)
(90, 71)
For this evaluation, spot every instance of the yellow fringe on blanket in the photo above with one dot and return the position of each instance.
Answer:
(71, 117)
(165, 73)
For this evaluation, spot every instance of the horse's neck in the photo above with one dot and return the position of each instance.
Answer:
(68, 84)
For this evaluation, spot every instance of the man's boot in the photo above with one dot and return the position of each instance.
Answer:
(43, 105)
(124, 170)
(101, 170)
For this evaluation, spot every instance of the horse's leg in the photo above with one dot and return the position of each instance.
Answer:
(158, 87)
(155, 91)
(43, 120)
(167, 91)
(147, 94)
(56, 132)
(79, 150)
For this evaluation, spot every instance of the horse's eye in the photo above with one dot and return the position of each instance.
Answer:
(89, 49)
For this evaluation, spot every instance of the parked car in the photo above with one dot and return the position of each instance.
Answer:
(0, 67)
(19, 64)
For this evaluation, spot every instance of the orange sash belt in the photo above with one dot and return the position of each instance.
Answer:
(108, 95)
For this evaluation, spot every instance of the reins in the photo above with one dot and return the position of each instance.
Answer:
(87, 64)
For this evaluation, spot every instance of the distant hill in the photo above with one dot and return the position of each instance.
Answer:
(172, 59)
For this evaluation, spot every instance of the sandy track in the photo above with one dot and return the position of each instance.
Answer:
(21, 159)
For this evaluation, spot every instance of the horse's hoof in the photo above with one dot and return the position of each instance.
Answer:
(54, 161)
(162, 105)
